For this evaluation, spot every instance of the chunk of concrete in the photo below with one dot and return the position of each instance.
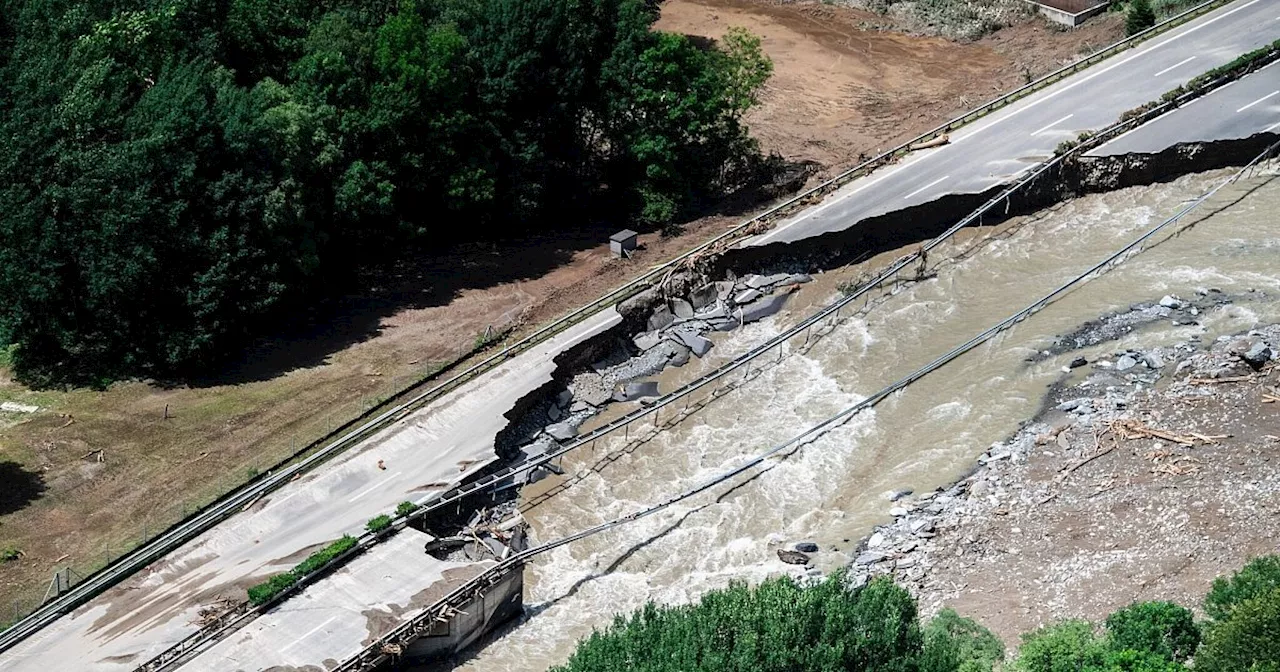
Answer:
(639, 390)
(562, 431)
(647, 340)
(661, 318)
(697, 344)
(703, 296)
(762, 308)
(713, 311)
(681, 308)
(746, 296)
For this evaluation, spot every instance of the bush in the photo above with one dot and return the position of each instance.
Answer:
(325, 555)
(1140, 17)
(1161, 628)
(1260, 577)
(378, 523)
(778, 626)
(406, 508)
(1129, 660)
(10, 554)
(269, 589)
(1069, 646)
(1249, 638)
(953, 643)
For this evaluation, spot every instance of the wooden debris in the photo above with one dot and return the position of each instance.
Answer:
(1269, 398)
(1209, 439)
(101, 456)
(1214, 381)
(1133, 429)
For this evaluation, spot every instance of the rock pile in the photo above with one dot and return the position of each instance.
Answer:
(936, 540)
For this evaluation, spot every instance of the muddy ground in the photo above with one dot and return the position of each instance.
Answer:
(91, 473)
(1148, 474)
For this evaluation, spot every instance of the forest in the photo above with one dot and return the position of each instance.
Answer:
(177, 175)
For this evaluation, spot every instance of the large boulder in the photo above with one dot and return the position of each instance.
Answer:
(792, 557)
(1257, 355)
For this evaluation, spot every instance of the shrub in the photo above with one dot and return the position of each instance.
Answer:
(378, 523)
(269, 589)
(1069, 646)
(778, 626)
(1140, 17)
(325, 555)
(1162, 628)
(1249, 638)
(10, 554)
(263, 592)
(1129, 660)
(405, 508)
(1261, 576)
(953, 643)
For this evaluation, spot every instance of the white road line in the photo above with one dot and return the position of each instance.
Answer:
(1270, 128)
(925, 187)
(1175, 65)
(1077, 82)
(310, 632)
(1051, 125)
(1273, 93)
(373, 487)
(1001, 118)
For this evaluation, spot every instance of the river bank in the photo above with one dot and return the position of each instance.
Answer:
(1146, 473)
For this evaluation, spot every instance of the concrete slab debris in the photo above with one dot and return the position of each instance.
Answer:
(762, 308)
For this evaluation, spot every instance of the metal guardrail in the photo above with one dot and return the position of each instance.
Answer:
(127, 564)
(385, 648)
(241, 614)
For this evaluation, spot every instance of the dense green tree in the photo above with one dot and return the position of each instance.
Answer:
(1130, 660)
(1161, 628)
(1248, 640)
(174, 175)
(778, 626)
(1139, 17)
(1259, 577)
(1069, 646)
(953, 643)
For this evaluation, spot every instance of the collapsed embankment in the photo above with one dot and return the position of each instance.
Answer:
(609, 361)
(1075, 177)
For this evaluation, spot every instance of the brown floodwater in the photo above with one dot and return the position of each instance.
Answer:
(832, 491)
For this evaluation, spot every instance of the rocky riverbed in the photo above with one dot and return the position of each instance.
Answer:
(1146, 474)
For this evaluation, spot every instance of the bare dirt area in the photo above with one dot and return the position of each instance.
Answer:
(88, 474)
(845, 85)
(1145, 480)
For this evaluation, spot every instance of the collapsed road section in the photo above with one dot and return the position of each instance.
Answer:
(109, 634)
(710, 305)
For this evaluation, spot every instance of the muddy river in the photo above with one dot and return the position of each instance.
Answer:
(833, 490)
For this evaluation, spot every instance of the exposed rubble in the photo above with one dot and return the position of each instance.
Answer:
(1143, 481)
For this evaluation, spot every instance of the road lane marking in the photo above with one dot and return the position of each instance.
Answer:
(1051, 125)
(1273, 93)
(1002, 117)
(310, 632)
(925, 187)
(1270, 128)
(1050, 95)
(373, 487)
(1175, 65)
